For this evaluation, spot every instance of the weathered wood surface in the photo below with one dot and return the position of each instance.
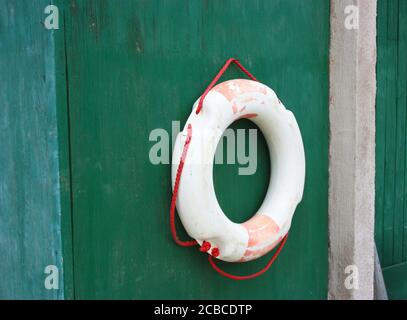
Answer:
(30, 213)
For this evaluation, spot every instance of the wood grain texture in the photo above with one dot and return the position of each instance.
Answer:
(391, 139)
(30, 209)
(137, 65)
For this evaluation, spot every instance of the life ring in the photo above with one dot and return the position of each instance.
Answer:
(197, 205)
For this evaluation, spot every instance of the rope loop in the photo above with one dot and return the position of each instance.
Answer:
(254, 275)
(217, 77)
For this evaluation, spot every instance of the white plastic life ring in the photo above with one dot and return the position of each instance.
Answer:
(197, 205)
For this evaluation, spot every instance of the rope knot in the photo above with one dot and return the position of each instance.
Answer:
(215, 252)
(205, 246)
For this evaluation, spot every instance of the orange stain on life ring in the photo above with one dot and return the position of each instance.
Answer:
(262, 230)
(232, 88)
(248, 116)
(252, 254)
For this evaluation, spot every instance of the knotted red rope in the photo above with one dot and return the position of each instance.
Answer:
(206, 246)
(175, 193)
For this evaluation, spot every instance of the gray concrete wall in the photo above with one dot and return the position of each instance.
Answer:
(352, 149)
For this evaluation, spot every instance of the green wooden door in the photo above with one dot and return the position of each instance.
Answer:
(134, 66)
(391, 135)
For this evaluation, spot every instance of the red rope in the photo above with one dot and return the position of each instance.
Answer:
(206, 245)
(175, 193)
(217, 77)
(254, 275)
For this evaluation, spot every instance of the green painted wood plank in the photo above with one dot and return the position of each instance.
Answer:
(137, 65)
(401, 134)
(380, 125)
(30, 208)
(391, 136)
(403, 103)
(391, 132)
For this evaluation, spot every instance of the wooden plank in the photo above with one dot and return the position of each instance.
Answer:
(401, 86)
(137, 65)
(30, 212)
(391, 132)
(381, 125)
(403, 104)
(391, 139)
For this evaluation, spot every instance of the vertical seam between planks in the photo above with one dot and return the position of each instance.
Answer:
(383, 126)
(396, 131)
(69, 156)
